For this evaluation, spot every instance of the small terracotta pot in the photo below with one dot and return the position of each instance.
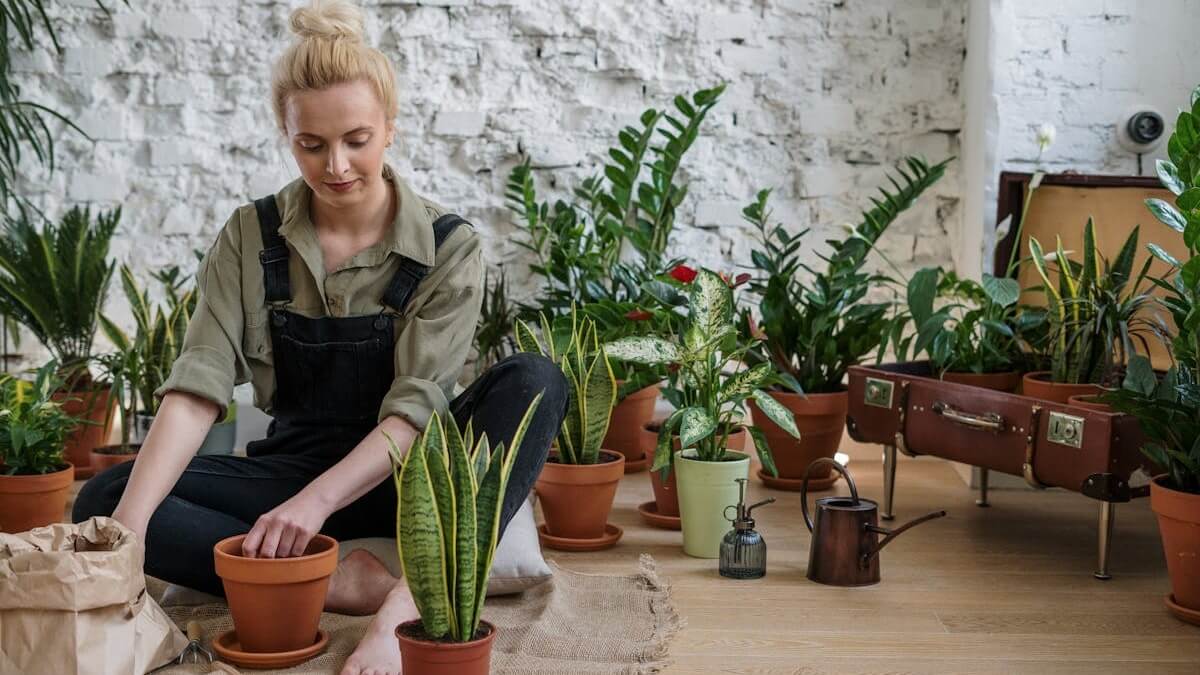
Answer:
(1038, 385)
(1009, 381)
(427, 657)
(106, 457)
(33, 501)
(276, 602)
(821, 419)
(666, 494)
(1089, 401)
(627, 419)
(1179, 525)
(95, 405)
(577, 498)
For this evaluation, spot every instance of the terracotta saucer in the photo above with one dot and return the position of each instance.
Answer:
(1182, 613)
(638, 465)
(650, 514)
(794, 484)
(229, 649)
(611, 534)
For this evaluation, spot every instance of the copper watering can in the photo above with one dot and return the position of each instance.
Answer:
(845, 544)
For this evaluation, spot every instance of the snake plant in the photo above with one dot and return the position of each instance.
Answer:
(450, 497)
(573, 343)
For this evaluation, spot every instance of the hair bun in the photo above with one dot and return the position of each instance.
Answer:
(328, 20)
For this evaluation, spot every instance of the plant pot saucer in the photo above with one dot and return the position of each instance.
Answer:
(653, 518)
(1185, 614)
(638, 464)
(795, 484)
(611, 535)
(229, 649)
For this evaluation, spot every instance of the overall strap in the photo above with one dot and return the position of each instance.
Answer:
(410, 273)
(274, 255)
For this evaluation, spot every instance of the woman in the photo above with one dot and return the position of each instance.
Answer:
(349, 303)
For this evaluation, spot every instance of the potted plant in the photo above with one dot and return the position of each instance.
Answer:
(708, 407)
(1096, 311)
(54, 282)
(35, 478)
(818, 324)
(450, 491)
(124, 369)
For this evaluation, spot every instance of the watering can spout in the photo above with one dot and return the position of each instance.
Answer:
(890, 534)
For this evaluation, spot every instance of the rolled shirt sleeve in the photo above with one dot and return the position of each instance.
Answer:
(433, 345)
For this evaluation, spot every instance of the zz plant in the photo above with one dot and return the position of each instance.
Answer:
(33, 427)
(572, 343)
(451, 493)
(707, 403)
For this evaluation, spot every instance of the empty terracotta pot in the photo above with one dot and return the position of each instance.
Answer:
(107, 456)
(1038, 385)
(276, 602)
(426, 657)
(577, 498)
(94, 405)
(1179, 525)
(666, 495)
(27, 502)
(1089, 401)
(1009, 381)
(821, 419)
(627, 419)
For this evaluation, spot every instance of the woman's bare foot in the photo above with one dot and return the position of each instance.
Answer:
(379, 651)
(359, 585)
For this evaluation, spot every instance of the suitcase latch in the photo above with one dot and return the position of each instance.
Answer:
(1065, 430)
(878, 393)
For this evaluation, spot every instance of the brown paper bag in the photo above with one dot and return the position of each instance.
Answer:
(73, 601)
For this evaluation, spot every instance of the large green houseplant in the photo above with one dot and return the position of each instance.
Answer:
(451, 493)
(35, 478)
(579, 481)
(1169, 411)
(709, 407)
(818, 323)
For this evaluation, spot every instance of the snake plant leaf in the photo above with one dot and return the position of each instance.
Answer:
(694, 424)
(710, 302)
(570, 438)
(422, 543)
(1091, 262)
(650, 351)
(437, 464)
(599, 397)
(764, 450)
(1167, 214)
(114, 333)
(775, 412)
(526, 340)
(1003, 291)
(743, 383)
(482, 459)
(466, 553)
(1123, 263)
(1038, 257)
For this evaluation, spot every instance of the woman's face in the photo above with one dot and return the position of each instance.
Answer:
(338, 136)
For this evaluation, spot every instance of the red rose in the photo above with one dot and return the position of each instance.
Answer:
(638, 315)
(683, 274)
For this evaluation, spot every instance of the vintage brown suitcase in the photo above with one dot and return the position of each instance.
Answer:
(904, 408)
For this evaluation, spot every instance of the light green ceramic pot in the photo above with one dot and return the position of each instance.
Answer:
(705, 489)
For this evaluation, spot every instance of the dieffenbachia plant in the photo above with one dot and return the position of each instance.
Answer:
(448, 521)
(707, 403)
(573, 344)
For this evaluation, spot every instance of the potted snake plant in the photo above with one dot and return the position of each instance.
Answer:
(579, 480)
(450, 492)
(709, 406)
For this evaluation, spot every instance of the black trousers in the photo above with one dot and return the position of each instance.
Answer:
(222, 496)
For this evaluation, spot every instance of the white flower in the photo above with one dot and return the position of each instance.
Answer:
(1045, 136)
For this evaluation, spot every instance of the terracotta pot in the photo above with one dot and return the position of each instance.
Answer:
(276, 602)
(1179, 524)
(27, 502)
(577, 498)
(627, 419)
(427, 657)
(106, 457)
(1038, 385)
(821, 419)
(1089, 401)
(1009, 381)
(666, 495)
(95, 405)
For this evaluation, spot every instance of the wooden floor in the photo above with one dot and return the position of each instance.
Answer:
(1006, 589)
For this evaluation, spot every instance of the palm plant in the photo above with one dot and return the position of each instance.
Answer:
(493, 340)
(451, 495)
(572, 343)
(33, 426)
(54, 281)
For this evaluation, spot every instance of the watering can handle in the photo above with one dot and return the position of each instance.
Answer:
(804, 486)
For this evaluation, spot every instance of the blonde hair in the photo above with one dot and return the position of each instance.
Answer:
(329, 49)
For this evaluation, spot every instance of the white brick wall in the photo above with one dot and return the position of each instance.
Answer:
(822, 95)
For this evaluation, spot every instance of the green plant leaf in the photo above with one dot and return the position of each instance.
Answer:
(764, 450)
(695, 424)
(1003, 291)
(1161, 253)
(743, 383)
(710, 302)
(1140, 376)
(1167, 214)
(922, 288)
(1189, 200)
(651, 351)
(422, 543)
(775, 411)
(1168, 175)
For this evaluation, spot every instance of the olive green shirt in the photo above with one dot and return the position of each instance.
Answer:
(228, 341)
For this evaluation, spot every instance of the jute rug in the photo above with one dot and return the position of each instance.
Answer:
(576, 623)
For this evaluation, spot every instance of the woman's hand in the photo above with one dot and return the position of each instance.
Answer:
(284, 532)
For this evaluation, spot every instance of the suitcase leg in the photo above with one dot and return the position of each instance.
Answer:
(1107, 514)
(983, 488)
(889, 481)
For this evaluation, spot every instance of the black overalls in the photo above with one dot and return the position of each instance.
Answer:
(331, 375)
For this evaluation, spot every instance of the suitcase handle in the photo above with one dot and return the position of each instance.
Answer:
(986, 421)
